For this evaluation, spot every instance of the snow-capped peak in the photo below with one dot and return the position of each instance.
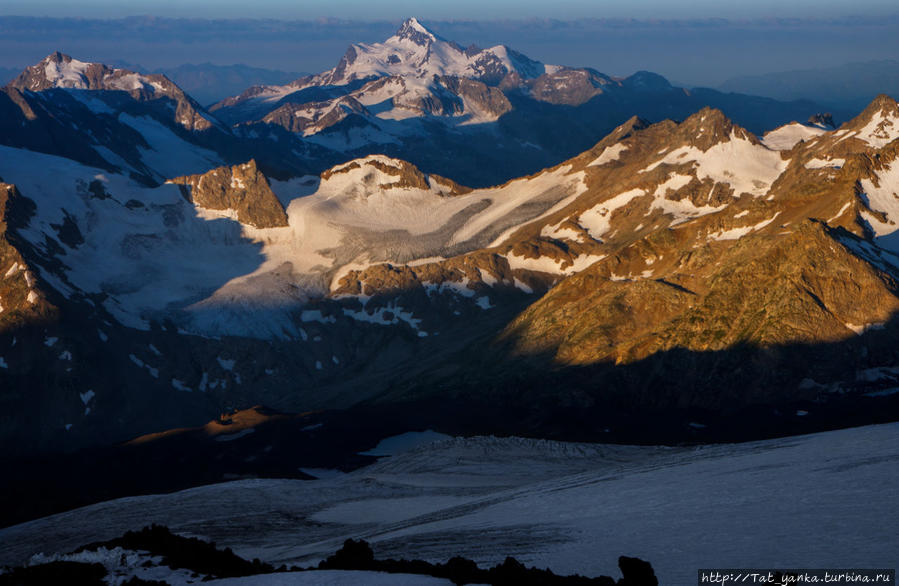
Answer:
(58, 70)
(416, 52)
(63, 71)
(413, 57)
(412, 30)
(878, 124)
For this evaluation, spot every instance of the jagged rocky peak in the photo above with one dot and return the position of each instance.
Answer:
(877, 125)
(412, 30)
(822, 120)
(882, 107)
(709, 127)
(378, 172)
(242, 189)
(417, 52)
(59, 70)
(883, 103)
(628, 128)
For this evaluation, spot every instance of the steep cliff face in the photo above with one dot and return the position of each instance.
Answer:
(241, 189)
(22, 299)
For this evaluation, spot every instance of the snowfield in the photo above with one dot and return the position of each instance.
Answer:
(825, 500)
(745, 166)
(333, 578)
(155, 255)
(787, 136)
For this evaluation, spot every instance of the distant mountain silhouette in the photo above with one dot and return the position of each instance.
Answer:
(850, 86)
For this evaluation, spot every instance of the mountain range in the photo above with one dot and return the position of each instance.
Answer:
(162, 264)
(480, 116)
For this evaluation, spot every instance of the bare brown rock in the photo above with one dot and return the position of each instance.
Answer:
(21, 297)
(242, 188)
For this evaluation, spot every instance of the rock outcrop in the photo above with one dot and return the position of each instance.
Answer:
(242, 189)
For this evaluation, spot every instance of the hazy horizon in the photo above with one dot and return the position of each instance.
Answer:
(689, 51)
(466, 9)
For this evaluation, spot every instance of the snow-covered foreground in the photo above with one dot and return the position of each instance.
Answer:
(333, 578)
(823, 500)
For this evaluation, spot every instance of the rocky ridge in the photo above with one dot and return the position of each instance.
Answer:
(490, 114)
(22, 300)
(62, 71)
(684, 265)
(141, 125)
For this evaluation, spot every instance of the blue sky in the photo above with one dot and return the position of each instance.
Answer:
(463, 9)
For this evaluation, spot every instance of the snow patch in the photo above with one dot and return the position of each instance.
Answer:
(747, 167)
(674, 182)
(828, 163)
(884, 197)
(180, 386)
(545, 264)
(597, 219)
(487, 277)
(739, 232)
(609, 154)
(226, 364)
(881, 130)
(13, 269)
(559, 233)
(379, 316)
(787, 136)
(861, 329)
(522, 286)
